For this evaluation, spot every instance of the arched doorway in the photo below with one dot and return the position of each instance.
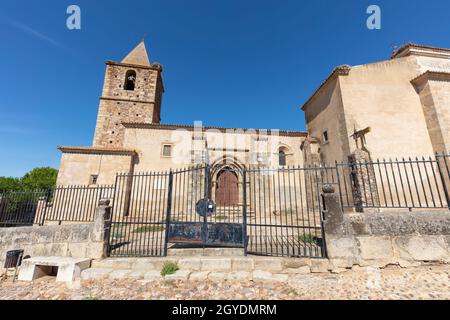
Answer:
(227, 188)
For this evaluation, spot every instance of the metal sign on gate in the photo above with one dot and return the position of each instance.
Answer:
(204, 233)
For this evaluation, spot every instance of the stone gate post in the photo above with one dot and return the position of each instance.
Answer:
(102, 228)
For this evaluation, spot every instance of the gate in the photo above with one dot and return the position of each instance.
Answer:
(284, 215)
(154, 210)
(274, 212)
(205, 210)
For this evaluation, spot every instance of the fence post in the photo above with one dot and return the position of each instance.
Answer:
(444, 184)
(244, 209)
(44, 214)
(168, 211)
(339, 184)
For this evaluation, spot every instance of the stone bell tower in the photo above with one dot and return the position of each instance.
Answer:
(132, 92)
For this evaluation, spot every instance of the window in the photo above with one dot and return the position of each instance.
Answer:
(325, 136)
(93, 179)
(281, 158)
(167, 150)
(130, 80)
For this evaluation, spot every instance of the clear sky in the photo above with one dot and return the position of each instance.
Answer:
(233, 63)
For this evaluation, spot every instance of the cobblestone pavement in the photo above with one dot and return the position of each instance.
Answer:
(431, 282)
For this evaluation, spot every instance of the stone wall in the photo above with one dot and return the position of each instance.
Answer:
(379, 239)
(74, 240)
(117, 105)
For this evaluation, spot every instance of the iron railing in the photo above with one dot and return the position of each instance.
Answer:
(19, 208)
(284, 211)
(279, 209)
(62, 203)
(412, 183)
(138, 225)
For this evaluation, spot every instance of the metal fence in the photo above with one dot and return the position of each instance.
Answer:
(412, 183)
(284, 211)
(19, 208)
(275, 212)
(138, 226)
(62, 203)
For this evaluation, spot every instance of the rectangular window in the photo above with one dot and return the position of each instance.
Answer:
(167, 150)
(93, 179)
(325, 136)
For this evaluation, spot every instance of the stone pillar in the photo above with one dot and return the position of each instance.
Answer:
(41, 208)
(364, 182)
(333, 216)
(339, 240)
(101, 229)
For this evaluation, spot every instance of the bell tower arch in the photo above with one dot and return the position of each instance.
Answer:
(132, 92)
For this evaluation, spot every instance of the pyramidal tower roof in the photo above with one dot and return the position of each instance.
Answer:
(138, 56)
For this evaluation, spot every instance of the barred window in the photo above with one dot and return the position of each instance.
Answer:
(93, 179)
(167, 150)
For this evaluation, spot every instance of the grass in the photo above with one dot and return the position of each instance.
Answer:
(311, 238)
(152, 228)
(171, 220)
(115, 231)
(169, 268)
(220, 217)
(89, 298)
(289, 211)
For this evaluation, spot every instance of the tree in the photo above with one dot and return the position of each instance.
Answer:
(10, 184)
(39, 178)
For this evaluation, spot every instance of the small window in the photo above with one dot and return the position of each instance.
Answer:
(325, 136)
(130, 80)
(93, 179)
(282, 158)
(167, 150)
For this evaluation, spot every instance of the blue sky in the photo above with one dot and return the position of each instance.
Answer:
(229, 63)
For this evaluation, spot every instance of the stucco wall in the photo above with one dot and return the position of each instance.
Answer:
(326, 112)
(76, 168)
(381, 96)
(440, 91)
(240, 145)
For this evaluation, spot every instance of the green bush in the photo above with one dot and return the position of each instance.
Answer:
(39, 178)
(10, 184)
(307, 238)
(169, 268)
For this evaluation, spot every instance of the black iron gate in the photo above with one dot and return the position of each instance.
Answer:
(266, 212)
(205, 208)
(152, 211)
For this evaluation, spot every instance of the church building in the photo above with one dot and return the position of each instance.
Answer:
(393, 108)
(129, 135)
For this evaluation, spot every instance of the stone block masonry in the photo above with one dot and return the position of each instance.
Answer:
(74, 240)
(383, 238)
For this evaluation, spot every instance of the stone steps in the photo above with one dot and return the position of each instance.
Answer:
(200, 268)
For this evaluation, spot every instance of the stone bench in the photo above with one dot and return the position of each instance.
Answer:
(68, 268)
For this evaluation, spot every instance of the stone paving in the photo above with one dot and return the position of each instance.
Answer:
(425, 282)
